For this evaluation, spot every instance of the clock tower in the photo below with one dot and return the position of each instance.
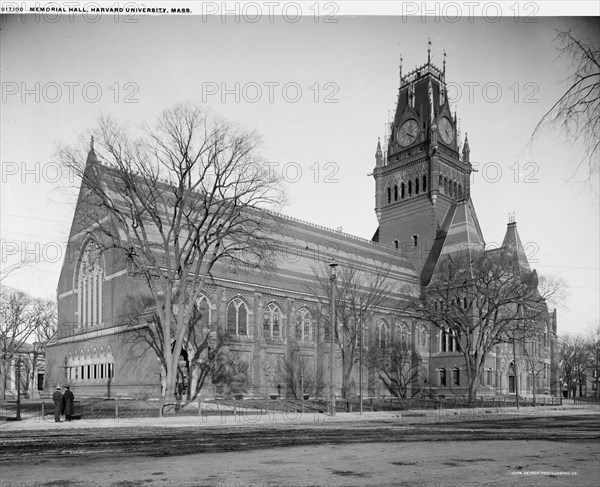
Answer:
(423, 175)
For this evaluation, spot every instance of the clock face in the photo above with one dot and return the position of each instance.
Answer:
(446, 130)
(407, 133)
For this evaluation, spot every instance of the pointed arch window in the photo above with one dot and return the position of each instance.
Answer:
(404, 336)
(382, 335)
(389, 194)
(272, 321)
(395, 192)
(410, 188)
(424, 183)
(417, 185)
(237, 317)
(402, 191)
(304, 325)
(90, 280)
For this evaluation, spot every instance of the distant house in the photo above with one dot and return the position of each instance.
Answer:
(21, 358)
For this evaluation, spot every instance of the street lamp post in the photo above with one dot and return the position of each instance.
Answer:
(332, 277)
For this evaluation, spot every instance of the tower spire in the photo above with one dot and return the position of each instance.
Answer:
(466, 150)
(444, 64)
(378, 154)
(428, 50)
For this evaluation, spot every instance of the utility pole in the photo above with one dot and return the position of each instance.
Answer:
(18, 388)
(332, 277)
(360, 356)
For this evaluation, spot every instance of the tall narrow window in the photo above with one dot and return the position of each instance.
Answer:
(90, 279)
(443, 377)
(237, 317)
(304, 325)
(410, 188)
(402, 190)
(395, 192)
(389, 194)
(382, 338)
(456, 376)
(272, 321)
(424, 183)
(417, 186)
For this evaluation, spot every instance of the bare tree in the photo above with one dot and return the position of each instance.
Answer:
(574, 360)
(44, 332)
(577, 112)
(359, 294)
(233, 376)
(180, 197)
(594, 357)
(12, 259)
(21, 317)
(477, 297)
(300, 376)
(398, 366)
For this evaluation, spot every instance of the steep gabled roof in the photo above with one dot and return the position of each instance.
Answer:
(460, 234)
(512, 241)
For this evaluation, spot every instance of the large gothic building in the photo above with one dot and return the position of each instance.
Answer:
(424, 211)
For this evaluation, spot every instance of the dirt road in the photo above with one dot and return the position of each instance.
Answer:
(548, 450)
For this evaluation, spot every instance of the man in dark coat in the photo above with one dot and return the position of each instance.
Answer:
(68, 401)
(57, 397)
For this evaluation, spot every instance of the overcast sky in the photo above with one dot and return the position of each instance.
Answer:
(325, 93)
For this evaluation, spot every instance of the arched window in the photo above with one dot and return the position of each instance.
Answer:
(443, 340)
(443, 377)
(410, 188)
(395, 192)
(424, 183)
(404, 336)
(417, 185)
(455, 192)
(389, 194)
(441, 183)
(204, 310)
(445, 185)
(423, 336)
(456, 376)
(272, 321)
(382, 335)
(91, 277)
(460, 191)
(304, 325)
(402, 190)
(237, 317)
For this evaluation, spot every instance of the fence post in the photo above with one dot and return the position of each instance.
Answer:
(116, 409)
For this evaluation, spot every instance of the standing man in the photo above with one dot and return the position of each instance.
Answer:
(68, 404)
(57, 398)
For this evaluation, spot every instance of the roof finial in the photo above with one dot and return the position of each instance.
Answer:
(428, 50)
(400, 68)
(444, 66)
(511, 217)
(92, 143)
